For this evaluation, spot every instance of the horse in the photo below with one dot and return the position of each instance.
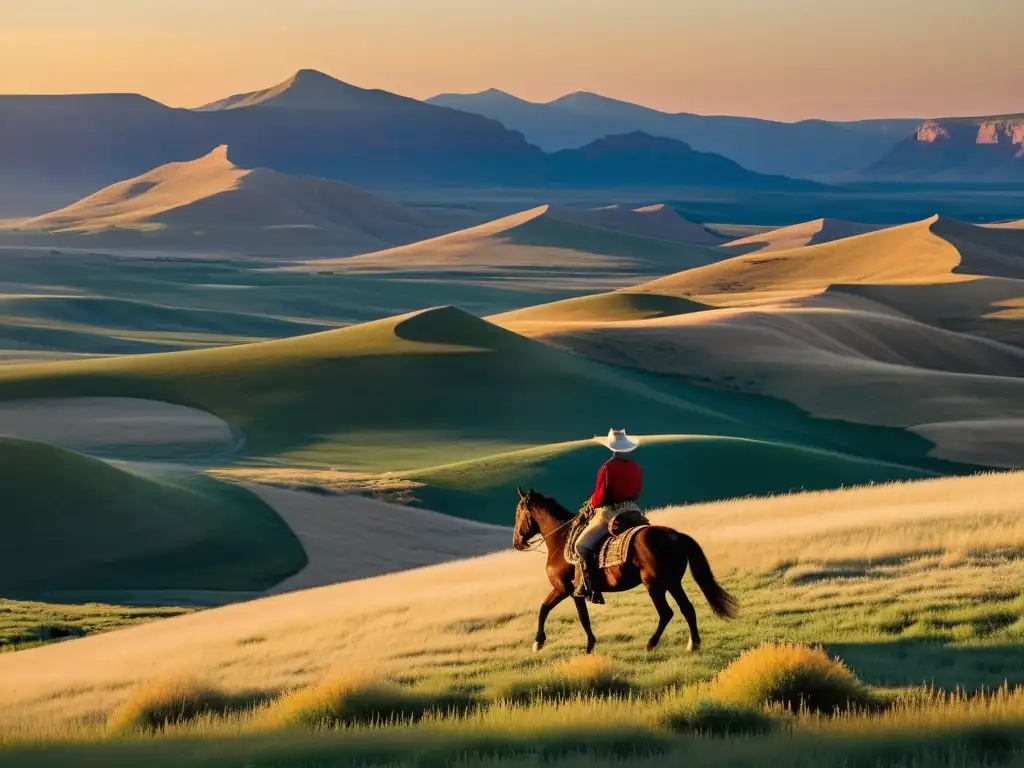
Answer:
(658, 560)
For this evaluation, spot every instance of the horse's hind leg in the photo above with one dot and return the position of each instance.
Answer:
(688, 613)
(554, 598)
(657, 593)
(581, 609)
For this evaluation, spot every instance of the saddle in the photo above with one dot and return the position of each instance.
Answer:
(614, 551)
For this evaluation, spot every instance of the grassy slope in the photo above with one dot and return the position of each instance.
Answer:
(428, 389)
(72, 523)
(678, 469)
(102, 304)
(908, 584)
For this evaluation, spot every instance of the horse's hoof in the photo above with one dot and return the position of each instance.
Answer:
(538, 646)
(590, 647)
(651, 646)
(693, 647)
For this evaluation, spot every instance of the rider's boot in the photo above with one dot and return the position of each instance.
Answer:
(582, 581)
(592, 573)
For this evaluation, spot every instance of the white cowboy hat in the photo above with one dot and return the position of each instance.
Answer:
(617, 441)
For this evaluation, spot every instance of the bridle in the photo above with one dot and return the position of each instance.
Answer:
(543, 536)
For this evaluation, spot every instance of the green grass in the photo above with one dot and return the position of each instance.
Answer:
(578, 747)
(436, 387)
(25, 624)
(73, 523)
(677, 469)
(99, 325)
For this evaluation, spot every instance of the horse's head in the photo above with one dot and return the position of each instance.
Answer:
(526, 524)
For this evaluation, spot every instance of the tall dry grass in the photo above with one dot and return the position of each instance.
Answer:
(796, 677)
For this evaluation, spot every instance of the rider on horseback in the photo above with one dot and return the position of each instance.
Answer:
(619, 483)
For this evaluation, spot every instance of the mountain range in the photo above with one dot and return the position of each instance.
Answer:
(958, 149)
(313, 124)
(809, 148)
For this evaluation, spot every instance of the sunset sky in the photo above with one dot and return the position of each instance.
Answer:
(781, 59)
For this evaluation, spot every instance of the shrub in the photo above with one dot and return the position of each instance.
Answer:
(715, 719)
(157, 704)
(355, 699)
(791, 675)
(581, 676)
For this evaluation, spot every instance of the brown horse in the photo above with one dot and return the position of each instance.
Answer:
(658, 561)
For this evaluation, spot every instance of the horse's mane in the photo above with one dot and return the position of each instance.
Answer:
(553, 507)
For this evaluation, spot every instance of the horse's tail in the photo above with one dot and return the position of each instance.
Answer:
(722, 603)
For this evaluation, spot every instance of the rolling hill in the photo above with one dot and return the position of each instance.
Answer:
(916, 327)
(426, 389)
(481, 488)
(808, 148)
(75, 525)
(543, 242)
(799, 235)
(658, 221)
(210, 203)
(924, 252)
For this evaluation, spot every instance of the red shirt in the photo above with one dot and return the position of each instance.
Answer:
(620, 479)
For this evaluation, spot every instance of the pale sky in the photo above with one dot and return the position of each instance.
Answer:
(780, 59)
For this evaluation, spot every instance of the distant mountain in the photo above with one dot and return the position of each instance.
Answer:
(314, 125)
(808, 148)
(62, 147)
(958, 149)
(639, 158)
(210, 202)
(318, 126)
(312, 90)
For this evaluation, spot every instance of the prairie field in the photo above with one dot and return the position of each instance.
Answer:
(914, 586)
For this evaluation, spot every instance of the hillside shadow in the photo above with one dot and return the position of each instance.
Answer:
(924, 662)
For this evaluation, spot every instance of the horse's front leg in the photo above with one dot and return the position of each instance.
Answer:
(581, 609)
(556, 596)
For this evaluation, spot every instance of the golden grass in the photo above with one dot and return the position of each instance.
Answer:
(792, 675)
(859, 565)
(357, 697)
(165, 702)
(579, 677)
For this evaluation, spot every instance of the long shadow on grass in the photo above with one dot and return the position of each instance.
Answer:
(917, 662)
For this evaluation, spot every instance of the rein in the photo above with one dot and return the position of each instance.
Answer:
(544, 536)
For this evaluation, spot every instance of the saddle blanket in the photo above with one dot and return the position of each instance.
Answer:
(614, 550)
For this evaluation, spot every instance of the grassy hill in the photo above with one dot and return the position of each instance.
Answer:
(102, 325)
(677, 469)
(73, 524)
(427, 389)
(908, 584)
